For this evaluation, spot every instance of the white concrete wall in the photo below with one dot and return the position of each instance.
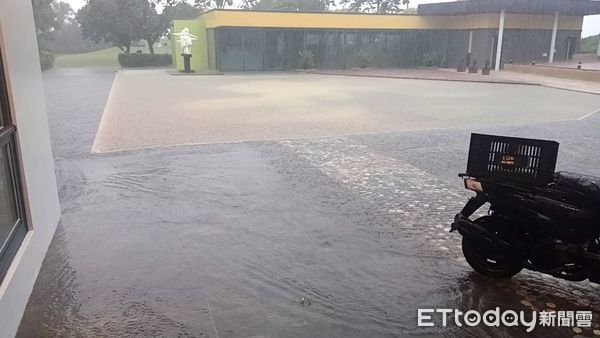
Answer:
(19, 45)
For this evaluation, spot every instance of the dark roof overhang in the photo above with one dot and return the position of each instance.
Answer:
(566, 7)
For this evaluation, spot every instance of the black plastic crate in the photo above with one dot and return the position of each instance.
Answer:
(512, 158)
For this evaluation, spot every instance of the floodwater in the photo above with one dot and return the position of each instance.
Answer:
(335, 237)
(150, 108)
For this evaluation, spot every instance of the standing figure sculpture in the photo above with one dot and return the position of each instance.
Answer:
(185, 40)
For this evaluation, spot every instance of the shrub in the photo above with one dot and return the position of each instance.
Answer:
(46, 59)
(363, 59)
(306, 59)
(144, 60)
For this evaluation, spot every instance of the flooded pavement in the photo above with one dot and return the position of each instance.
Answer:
(330, 237)
(151, 108)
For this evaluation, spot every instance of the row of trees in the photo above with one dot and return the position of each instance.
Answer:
(121, 22)
(105, 22)
(377, 6)
(289, 5)
(57, 29)
(372, 6)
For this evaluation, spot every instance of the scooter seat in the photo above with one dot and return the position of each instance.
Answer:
(589, 185)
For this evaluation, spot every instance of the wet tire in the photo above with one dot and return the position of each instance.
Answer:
(484, 260)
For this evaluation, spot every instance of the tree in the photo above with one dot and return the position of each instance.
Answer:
(69, 39)
(181, 11)
(102, 20)
(64, 13)
(375, 6)
(407, 3)
(44, 17)
(412, 11)
(148, 24)
(49, 16)
(288, 5)
(590, 45)
(122, 21)
(218, 4)
(57, 29)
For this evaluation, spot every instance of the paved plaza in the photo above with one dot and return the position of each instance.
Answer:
(299, 206)
(151, 108)
(446, 74)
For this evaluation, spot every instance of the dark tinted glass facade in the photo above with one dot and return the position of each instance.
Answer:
(279, 49)
(248, 49)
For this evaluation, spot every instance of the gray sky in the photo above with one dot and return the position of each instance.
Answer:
(591, 24)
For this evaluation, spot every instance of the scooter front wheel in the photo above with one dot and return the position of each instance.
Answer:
(484, 260)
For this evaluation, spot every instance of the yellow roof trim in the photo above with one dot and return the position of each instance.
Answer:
(227, 18)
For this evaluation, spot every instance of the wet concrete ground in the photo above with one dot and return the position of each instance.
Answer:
(225, 240)
(504, 76)
(150, 108)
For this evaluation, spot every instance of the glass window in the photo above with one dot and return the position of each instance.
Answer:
(8, 206)
(293, 44)
(274, 49)
(253, 49)
(373, 44)
(333, 58)
(3, 104)
(350, 47)
(314, 41)
(230, 48)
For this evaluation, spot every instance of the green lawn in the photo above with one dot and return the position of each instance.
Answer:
(100, 58)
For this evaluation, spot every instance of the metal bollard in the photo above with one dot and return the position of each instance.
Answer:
(579, 65)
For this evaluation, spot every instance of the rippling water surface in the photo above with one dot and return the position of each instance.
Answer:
(309, 238)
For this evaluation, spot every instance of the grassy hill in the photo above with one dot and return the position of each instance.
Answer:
(100, 58)
(589, 45)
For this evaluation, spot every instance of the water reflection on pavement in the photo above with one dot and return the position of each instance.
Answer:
(341, 237)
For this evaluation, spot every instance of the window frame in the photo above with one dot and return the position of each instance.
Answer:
(10, 245)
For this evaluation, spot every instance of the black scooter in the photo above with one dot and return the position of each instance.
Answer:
(538, 220)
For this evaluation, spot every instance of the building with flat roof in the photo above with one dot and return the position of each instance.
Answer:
(441, 35)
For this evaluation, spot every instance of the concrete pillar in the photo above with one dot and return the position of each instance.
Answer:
(469, 49)
(470, 42)
(492, 52)
(500, 38)
(553, 42)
